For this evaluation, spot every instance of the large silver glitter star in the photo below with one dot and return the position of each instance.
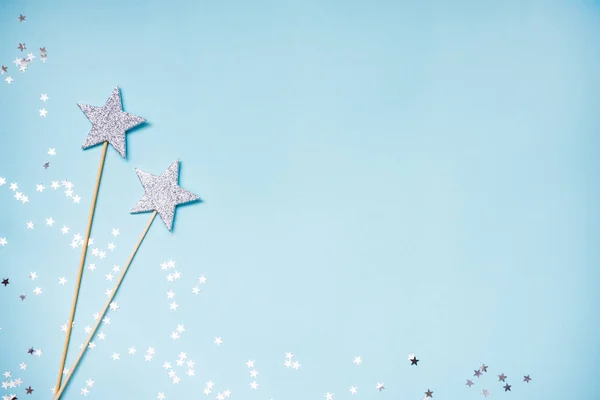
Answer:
(109, 123)
(163, 194)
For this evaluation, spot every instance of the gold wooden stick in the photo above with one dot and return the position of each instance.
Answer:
(106, 306)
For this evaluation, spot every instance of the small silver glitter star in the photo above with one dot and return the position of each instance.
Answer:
(163, 194)
(109, 123)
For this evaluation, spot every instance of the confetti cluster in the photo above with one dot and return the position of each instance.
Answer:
(22, 63)
(253, 374)
(11, 383)
(75, 242)
(290, 362)
(502, 380)
(182, 363)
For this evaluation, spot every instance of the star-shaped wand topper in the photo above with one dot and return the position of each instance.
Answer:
(163, 194)
(109, 123)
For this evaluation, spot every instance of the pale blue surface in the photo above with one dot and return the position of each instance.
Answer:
(379, 178)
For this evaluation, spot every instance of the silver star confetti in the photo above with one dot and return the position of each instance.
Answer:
(109, 123)
(162, 194)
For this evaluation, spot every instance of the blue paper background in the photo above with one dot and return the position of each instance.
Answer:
(379, 178)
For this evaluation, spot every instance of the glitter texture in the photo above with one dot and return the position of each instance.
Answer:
(163, 194)
(109, 123)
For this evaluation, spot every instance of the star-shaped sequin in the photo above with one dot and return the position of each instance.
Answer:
(109, 123)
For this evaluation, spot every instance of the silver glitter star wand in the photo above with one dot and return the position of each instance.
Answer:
(109, 125)
(162, 195)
